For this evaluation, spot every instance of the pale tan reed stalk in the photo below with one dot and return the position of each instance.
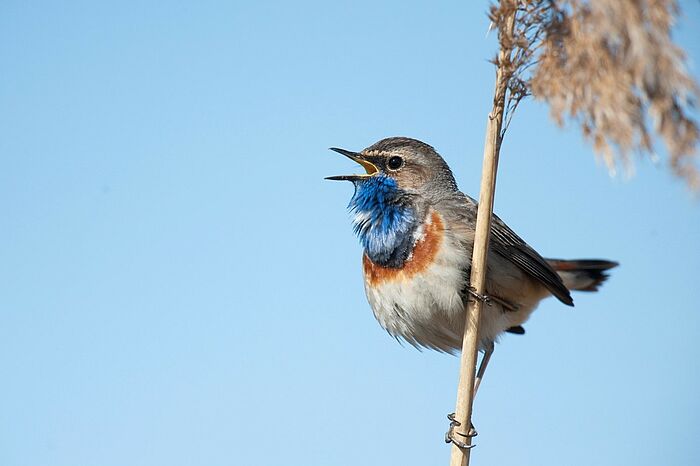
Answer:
(608, 65)
(470, 342)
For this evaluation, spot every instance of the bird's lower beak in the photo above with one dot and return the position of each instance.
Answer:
(365, 161)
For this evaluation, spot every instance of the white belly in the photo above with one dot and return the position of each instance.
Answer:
(423, 303)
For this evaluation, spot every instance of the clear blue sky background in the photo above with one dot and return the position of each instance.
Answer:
(180, 286)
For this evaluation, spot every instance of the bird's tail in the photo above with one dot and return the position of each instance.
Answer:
(582, 274)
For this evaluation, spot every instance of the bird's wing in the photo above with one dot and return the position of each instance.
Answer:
(506, 243)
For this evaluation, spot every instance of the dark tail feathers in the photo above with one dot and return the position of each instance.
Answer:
(582, 274)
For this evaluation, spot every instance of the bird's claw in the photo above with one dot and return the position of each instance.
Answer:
(489, 300)
(450, 434)
(484, 298)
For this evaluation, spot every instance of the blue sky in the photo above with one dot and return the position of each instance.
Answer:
(180, 286)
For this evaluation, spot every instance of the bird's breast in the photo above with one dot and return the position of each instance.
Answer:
(421, 300)
(423, 255)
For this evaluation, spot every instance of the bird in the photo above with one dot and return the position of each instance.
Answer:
(416, 229)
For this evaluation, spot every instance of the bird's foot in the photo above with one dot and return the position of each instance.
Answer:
(489, 300)
(450, 434)
(484, 298)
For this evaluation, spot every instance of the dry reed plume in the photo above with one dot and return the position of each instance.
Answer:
(611, 67)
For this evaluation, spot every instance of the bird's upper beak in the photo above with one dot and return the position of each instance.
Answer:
(368, 162)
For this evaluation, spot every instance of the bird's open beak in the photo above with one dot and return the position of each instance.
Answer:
(363, 160)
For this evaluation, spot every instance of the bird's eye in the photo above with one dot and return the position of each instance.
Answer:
(394, 163)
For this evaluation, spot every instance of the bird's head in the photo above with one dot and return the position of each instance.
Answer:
(403, 176)
(411, 166)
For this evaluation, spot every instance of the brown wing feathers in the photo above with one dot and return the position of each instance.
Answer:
(509, 245)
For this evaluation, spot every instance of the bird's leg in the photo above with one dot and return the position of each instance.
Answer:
(482, 367)
(450, 435)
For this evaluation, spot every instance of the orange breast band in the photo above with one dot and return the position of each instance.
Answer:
(423, 255)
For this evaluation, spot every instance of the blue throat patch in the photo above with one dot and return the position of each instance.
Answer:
(383, 220)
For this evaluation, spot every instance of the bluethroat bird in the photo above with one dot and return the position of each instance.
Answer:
(417, 232)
